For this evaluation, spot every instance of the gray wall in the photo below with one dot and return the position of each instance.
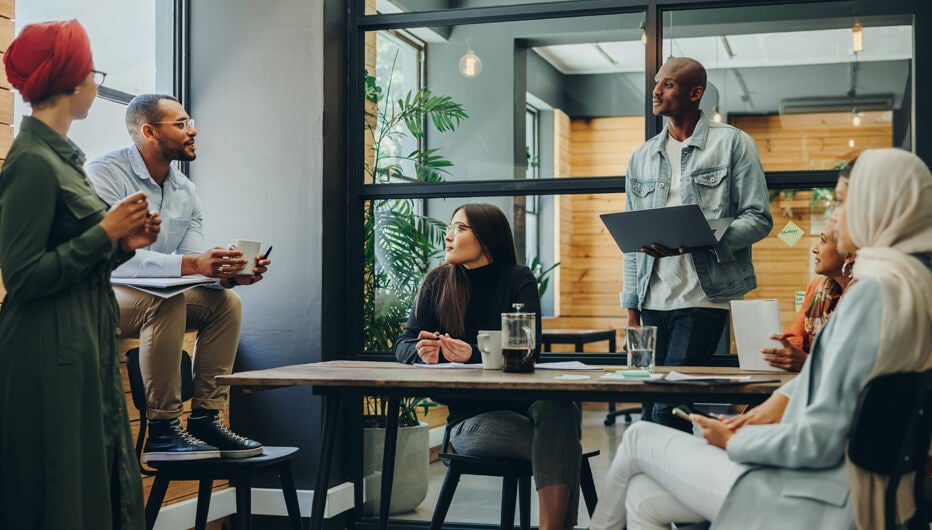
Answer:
(257, 93)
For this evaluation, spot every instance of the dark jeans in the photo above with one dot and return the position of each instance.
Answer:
(685, 337)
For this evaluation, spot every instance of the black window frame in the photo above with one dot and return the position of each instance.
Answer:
(358, 193)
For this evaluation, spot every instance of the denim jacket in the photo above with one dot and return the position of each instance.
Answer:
(722, 173)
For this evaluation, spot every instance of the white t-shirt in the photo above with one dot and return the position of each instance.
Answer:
(674, 283)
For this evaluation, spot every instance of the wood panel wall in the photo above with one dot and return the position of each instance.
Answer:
(7, 32)
(590, 274)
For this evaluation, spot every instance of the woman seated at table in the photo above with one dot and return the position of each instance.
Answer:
(822, 295)
(479, 281)
(782, 465)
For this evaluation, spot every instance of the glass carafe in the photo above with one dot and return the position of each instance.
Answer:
(519, 340)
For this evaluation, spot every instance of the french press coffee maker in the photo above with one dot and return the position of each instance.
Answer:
(519, 340)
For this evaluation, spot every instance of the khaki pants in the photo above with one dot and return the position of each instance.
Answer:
(160, 325)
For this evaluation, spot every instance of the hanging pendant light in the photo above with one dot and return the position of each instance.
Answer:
(716, 115)
(857, 37)
(470, 64)
(643, 34)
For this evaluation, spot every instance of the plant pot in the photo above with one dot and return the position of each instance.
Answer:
(412, 454)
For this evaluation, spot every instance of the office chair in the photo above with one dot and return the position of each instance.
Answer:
(890, 436)
(238, 471)
(516, 479)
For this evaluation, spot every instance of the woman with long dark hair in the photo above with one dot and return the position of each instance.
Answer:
(66, 453)
(479, 280)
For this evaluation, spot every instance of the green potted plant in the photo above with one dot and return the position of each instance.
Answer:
(400, 247)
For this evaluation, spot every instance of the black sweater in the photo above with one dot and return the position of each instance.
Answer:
(492, 290)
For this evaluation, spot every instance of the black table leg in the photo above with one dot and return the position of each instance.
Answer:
(331, 410)
(388, 461)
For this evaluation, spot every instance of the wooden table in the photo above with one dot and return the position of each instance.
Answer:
(576, 337)
(335, 380)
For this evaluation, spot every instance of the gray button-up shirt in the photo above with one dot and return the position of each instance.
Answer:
(121, 173)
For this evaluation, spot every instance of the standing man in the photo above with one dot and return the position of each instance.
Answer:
(162, 132)
(685, 292)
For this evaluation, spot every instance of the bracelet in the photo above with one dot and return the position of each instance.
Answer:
(232, 282)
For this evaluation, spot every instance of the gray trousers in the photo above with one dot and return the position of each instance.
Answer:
(547, 435)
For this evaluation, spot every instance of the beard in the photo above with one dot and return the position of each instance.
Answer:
(177, 152)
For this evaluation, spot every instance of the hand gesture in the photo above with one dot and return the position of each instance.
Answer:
(455, 350)
(714, 431)
(262, 266)
(660, 251)
(789, 357)
(126, 217)
(220, 262)
(428, 346)
(145, 235)
(770, 411)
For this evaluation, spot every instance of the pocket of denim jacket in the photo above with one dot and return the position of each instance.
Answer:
(711, 178)
(643, 188)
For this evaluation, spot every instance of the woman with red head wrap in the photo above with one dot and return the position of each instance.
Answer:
(65, 444)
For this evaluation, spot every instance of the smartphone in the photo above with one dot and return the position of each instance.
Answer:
(267, 252)
(680, 413)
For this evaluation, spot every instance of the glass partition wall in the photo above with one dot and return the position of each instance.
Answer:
(536, 107)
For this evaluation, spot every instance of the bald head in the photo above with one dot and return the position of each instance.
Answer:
(690, 71)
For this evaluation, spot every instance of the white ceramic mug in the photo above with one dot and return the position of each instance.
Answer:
(250, 250)
(490, 344)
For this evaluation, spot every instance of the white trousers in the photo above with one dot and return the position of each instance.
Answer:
(660, 476)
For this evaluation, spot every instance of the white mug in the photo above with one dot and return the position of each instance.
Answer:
(490, 344)
(250, 250)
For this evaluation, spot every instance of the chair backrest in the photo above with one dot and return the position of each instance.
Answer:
(891, 432)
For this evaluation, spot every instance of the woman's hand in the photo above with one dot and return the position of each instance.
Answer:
(455, 350)
(714, 431)
(770, 411)
(428, 346)
(789, 357)
(126, 217)
(145, 235)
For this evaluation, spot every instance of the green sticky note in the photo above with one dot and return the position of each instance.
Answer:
(635, 374)
(791, 234)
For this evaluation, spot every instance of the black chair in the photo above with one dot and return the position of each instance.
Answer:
(890, 436)
(516, 479)
(238, 471)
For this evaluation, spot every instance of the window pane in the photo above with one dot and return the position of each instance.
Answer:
(583, 290)
(130, 41)
(789, 77)
(405, 6)
(584, 76)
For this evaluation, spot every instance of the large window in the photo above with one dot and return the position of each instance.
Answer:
(538, 106)
(131, 41)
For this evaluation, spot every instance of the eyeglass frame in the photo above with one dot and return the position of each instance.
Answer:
(103, 76)
(457, 228)
(184, 124)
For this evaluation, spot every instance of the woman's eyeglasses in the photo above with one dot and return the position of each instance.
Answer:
(99, 77)
(457, 228)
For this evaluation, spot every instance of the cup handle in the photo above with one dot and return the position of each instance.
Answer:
(529, 333)
(482, 347)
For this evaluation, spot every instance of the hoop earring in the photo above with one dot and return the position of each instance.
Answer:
(846, 269)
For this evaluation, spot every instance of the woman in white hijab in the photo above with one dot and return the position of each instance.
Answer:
(783, 464)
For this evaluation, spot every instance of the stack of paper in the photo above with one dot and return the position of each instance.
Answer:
(164, 287)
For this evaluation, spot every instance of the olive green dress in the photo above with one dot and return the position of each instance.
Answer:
(66, 452)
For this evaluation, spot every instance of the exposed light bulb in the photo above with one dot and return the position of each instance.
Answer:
(856, 119)
(470, 64)
(716, 115)
(643, 34)
(857, 34)
(851, 143)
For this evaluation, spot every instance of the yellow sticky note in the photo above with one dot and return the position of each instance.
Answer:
(791, 234)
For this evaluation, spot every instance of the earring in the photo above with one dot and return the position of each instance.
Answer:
(846, 269)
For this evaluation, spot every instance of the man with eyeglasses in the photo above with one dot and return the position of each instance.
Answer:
(162, 132)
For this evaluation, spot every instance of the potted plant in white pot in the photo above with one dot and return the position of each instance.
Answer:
(412, 454)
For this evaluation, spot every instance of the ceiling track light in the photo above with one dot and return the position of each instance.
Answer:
(857, 37)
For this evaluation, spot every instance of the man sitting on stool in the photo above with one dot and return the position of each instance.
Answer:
(162, 132)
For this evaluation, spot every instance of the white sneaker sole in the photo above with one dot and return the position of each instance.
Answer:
(169, 456)
(241, 453)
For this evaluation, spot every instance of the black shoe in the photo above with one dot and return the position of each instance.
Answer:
(210, 429)
(169, 441)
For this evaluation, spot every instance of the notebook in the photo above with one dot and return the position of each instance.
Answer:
(754, 322)
(673, 227)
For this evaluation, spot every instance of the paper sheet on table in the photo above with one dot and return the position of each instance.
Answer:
(754, 322)
(677, 376)
(449, 365)
(567, 365)
(620, 376)
(164, 287)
